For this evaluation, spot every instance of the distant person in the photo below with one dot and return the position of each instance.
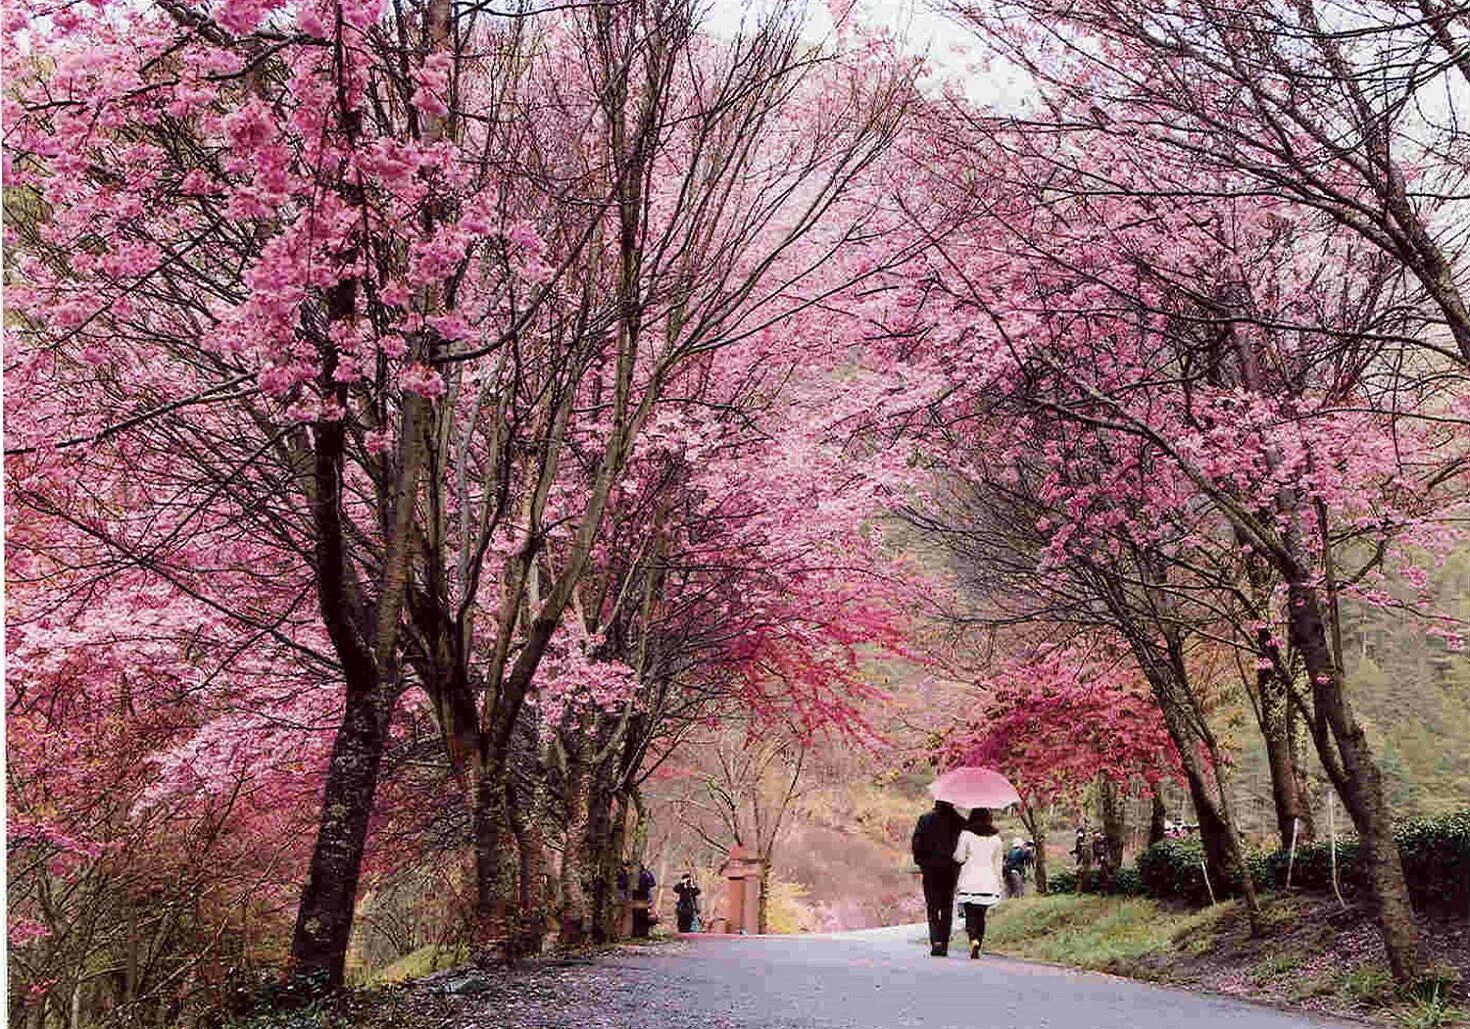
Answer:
(686, 909)
(1016, 861)
(643, 903)
(935, 836)
(980, 881)
(1083, 853)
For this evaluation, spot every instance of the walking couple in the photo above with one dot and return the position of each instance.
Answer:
(959, 858)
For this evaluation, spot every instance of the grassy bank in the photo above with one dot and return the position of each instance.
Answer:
(1310, 955)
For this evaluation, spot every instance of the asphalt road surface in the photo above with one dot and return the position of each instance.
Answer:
(880, 979)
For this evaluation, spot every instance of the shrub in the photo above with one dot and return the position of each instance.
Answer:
(1435, 853)
(1126, 883)
(1313, 869)
(1436, 856)
(1061, 882)
(1173, 870)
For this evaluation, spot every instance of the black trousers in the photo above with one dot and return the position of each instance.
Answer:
(685, 917)
(939, 883)
(975, 922)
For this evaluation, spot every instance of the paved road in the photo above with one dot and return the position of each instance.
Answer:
(883, 979)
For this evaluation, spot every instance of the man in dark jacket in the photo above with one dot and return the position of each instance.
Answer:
(688, 904)
(643, 902)
(935, 837)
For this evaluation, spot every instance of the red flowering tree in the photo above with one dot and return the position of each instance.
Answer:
(1059, 720)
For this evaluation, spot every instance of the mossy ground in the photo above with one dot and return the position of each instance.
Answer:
(419, 963)
(1309, 953)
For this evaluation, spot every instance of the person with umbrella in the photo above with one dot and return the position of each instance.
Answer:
(934, 841)
(979, 886)
(937, 835)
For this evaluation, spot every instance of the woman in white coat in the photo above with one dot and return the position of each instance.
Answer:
(981, 883)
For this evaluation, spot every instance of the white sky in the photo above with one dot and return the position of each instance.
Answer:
(920, 26)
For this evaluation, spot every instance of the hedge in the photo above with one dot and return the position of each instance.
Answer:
(1435, 853)
(1174, 870)
(1126, 883)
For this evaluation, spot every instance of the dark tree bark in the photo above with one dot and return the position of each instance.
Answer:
(1276, 724)
(493, 942)
(1035, 821)
(364, 638)
(1113, 813)
(576, 875)
(324, 918)
(603, 859)
(1224, 862)
(1349, 761)
(1157, 818)
(527, 807)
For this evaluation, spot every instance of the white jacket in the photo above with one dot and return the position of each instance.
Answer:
(980, 866)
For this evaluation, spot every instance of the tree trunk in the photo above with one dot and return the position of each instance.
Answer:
(615, 853)
(1307, 828)
(1273, 715)
(324, 919)
(1035, 821)
(1158, 816)
(1355, 774)
(763, 902)
(527, 817)
(1110, 802)
(1167, 672)
(576, 875)
(1284, 792)
(492, 942)
(1222, 861)
(526, 804)
(602, 861)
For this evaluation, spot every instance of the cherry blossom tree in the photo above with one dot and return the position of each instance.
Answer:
(1348, 111)
(402, 289)
(1197, 343)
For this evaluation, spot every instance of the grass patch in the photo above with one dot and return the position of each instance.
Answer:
(1311, 986)
(1369, 985)
(1277, 966)
(1429, 1002)
(1088, 931)
(1433, 1012)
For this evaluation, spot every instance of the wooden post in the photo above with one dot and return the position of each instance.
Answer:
(1291, 854)
(1332, 846)
(1205, 869)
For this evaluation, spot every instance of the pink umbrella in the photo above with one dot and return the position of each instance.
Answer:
(975, 787)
